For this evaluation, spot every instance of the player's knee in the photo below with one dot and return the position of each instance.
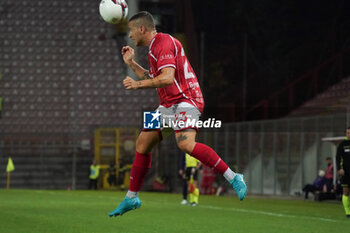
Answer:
(185, 146)
(141, 147)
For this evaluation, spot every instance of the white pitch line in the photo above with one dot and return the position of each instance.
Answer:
(268, 213)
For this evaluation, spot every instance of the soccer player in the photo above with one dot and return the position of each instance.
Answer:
(191, 168)
(180, 99)
(343, 166)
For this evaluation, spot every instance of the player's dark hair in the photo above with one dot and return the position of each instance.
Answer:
(143, 18)
(328, 158)
(348, 127)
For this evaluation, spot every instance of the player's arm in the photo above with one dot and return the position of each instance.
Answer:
(339, 159)
(165, 78)
(139, 71)
(128, 57)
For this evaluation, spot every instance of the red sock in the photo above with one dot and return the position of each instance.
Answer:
(209, 157)
(140, 167)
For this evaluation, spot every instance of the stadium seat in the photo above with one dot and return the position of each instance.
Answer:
(46, 69)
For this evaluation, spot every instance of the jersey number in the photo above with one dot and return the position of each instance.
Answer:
(188, 74)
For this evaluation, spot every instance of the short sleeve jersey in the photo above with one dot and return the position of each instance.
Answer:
(166, 51)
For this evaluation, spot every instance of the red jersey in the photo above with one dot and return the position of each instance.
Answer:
(329, 172)
(166, 51)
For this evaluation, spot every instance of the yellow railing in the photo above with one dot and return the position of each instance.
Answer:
(115, 147)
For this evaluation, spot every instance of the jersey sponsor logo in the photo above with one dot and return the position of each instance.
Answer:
(151, 120)
(166, 57)
(193, 84)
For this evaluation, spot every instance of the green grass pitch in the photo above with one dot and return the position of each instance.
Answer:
(37, 211)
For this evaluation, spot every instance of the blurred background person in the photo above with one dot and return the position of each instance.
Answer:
(329, 175)
(189, 174)
(208, 178)
(192, 167)
(318, 184)
(112, 177)
(183, 179)
(94, 174)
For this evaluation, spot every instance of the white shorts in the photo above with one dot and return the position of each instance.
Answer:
(179, 116)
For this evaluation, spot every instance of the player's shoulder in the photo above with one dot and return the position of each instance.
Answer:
(163, 36)
(344, 143)
(163, 39)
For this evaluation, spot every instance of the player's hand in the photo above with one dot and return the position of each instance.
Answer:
(341, 172)
(128, 54)
(130, 84)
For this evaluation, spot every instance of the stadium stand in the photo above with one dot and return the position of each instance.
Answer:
(334, 100)
(315, 81)
(56, 70)
(60, 81)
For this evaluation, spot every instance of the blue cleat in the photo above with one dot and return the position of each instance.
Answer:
(126, 205)
(239, 186)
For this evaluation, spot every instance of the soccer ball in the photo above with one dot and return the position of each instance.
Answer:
(113, 11)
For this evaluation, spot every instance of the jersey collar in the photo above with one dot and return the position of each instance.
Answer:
(154, 38)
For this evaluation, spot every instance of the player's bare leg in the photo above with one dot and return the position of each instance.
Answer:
(142, 163)
(186, 141)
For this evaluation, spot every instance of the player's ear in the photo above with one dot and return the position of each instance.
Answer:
(142, 29)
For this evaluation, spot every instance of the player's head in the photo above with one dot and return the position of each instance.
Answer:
(141, 25)
(348, 133)
(143, 18)
(328, 160)
(94, 162)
